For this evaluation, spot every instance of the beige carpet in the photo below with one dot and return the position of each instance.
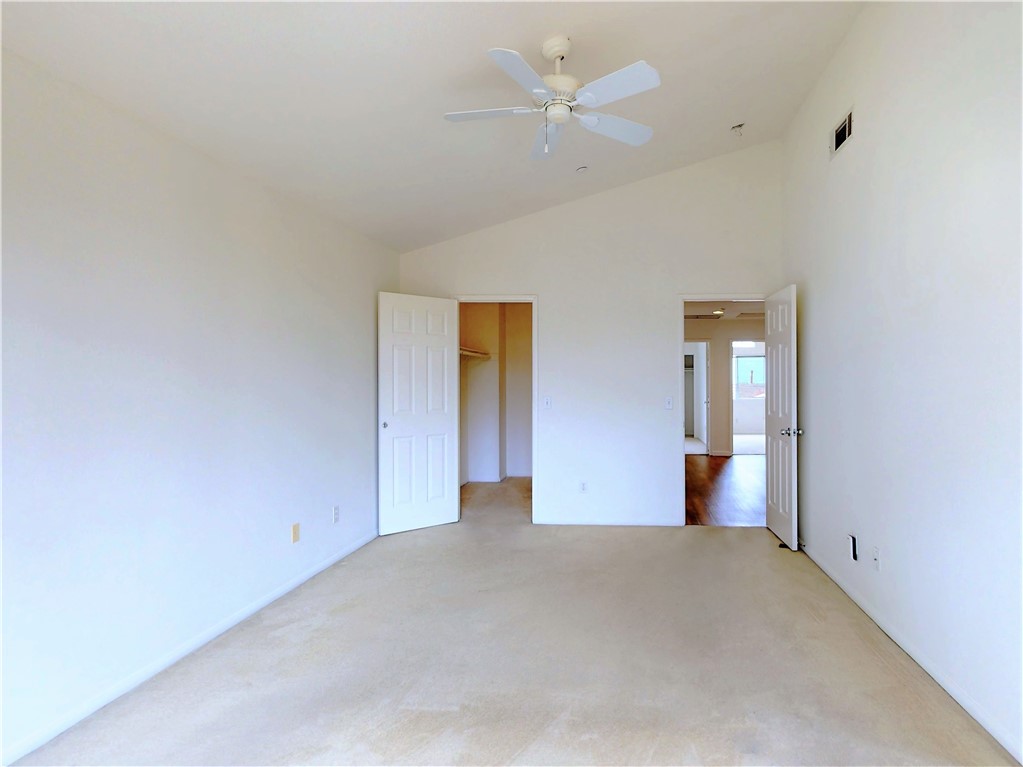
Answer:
(492, 641)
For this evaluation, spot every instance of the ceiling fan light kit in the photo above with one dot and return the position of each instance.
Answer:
(559, 96)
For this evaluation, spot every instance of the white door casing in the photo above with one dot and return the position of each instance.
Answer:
(417, 408)
(782, 430)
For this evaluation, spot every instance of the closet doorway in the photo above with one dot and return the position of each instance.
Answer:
(497, 413)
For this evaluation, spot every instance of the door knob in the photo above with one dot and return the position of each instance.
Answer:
(786, 432)
(797, 432)
(385, 424)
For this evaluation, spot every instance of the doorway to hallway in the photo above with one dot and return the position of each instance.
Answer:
(725, 472)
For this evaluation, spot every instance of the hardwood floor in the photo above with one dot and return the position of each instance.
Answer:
(726, 492)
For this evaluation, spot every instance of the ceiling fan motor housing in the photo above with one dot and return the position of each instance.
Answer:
(559, 109)
(558, 113)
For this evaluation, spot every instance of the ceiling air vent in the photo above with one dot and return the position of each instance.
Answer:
(702, 316)
(841, 134)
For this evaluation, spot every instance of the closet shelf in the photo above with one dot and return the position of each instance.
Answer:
(473, 353)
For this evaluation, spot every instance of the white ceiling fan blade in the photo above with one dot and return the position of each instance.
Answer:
(546, 141)
(486, 114)
(634, 79)
(518, 70)
(617, 128)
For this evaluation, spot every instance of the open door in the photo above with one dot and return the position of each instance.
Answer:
(418, 412)
(701, 398)
(782, 431)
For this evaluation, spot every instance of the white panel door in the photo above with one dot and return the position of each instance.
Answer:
(701, 397)
(782, 431)
(418, 412)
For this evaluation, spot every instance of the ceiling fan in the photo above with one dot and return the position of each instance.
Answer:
(559, 97)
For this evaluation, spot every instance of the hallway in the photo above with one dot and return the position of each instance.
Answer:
(726, 492)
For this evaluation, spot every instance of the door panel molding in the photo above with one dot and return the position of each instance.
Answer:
(417, 412)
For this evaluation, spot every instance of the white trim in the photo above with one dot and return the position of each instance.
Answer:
(521, 298)
(722, 297)
(481, 299)
(74, 716)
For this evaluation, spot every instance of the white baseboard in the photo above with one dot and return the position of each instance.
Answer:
(1008, 739)
(74, 716)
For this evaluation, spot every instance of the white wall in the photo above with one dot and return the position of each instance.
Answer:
(749, 416)
(688, 386)
(480, 329)
(189, 368)
(720, 334)
(608, 271)
(502, 389)
(690, 410)
(701, 392)
(517, 351)
(906, 249)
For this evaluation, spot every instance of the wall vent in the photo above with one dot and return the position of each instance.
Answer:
(702, 316)
(841, 134)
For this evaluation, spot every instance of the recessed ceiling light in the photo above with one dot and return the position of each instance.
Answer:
(718, 311)
(582, 169)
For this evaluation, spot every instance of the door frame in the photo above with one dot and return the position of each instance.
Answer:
(683, 297)
(518, 298)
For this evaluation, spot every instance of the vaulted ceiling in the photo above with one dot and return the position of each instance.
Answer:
(341, 104)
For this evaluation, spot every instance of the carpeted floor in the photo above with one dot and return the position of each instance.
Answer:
(493, 641)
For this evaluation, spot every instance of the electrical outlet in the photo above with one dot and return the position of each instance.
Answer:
(582, 487)
(337, 514)
(668, 403)
(546, 403)
(294, 533)
(877, 559)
